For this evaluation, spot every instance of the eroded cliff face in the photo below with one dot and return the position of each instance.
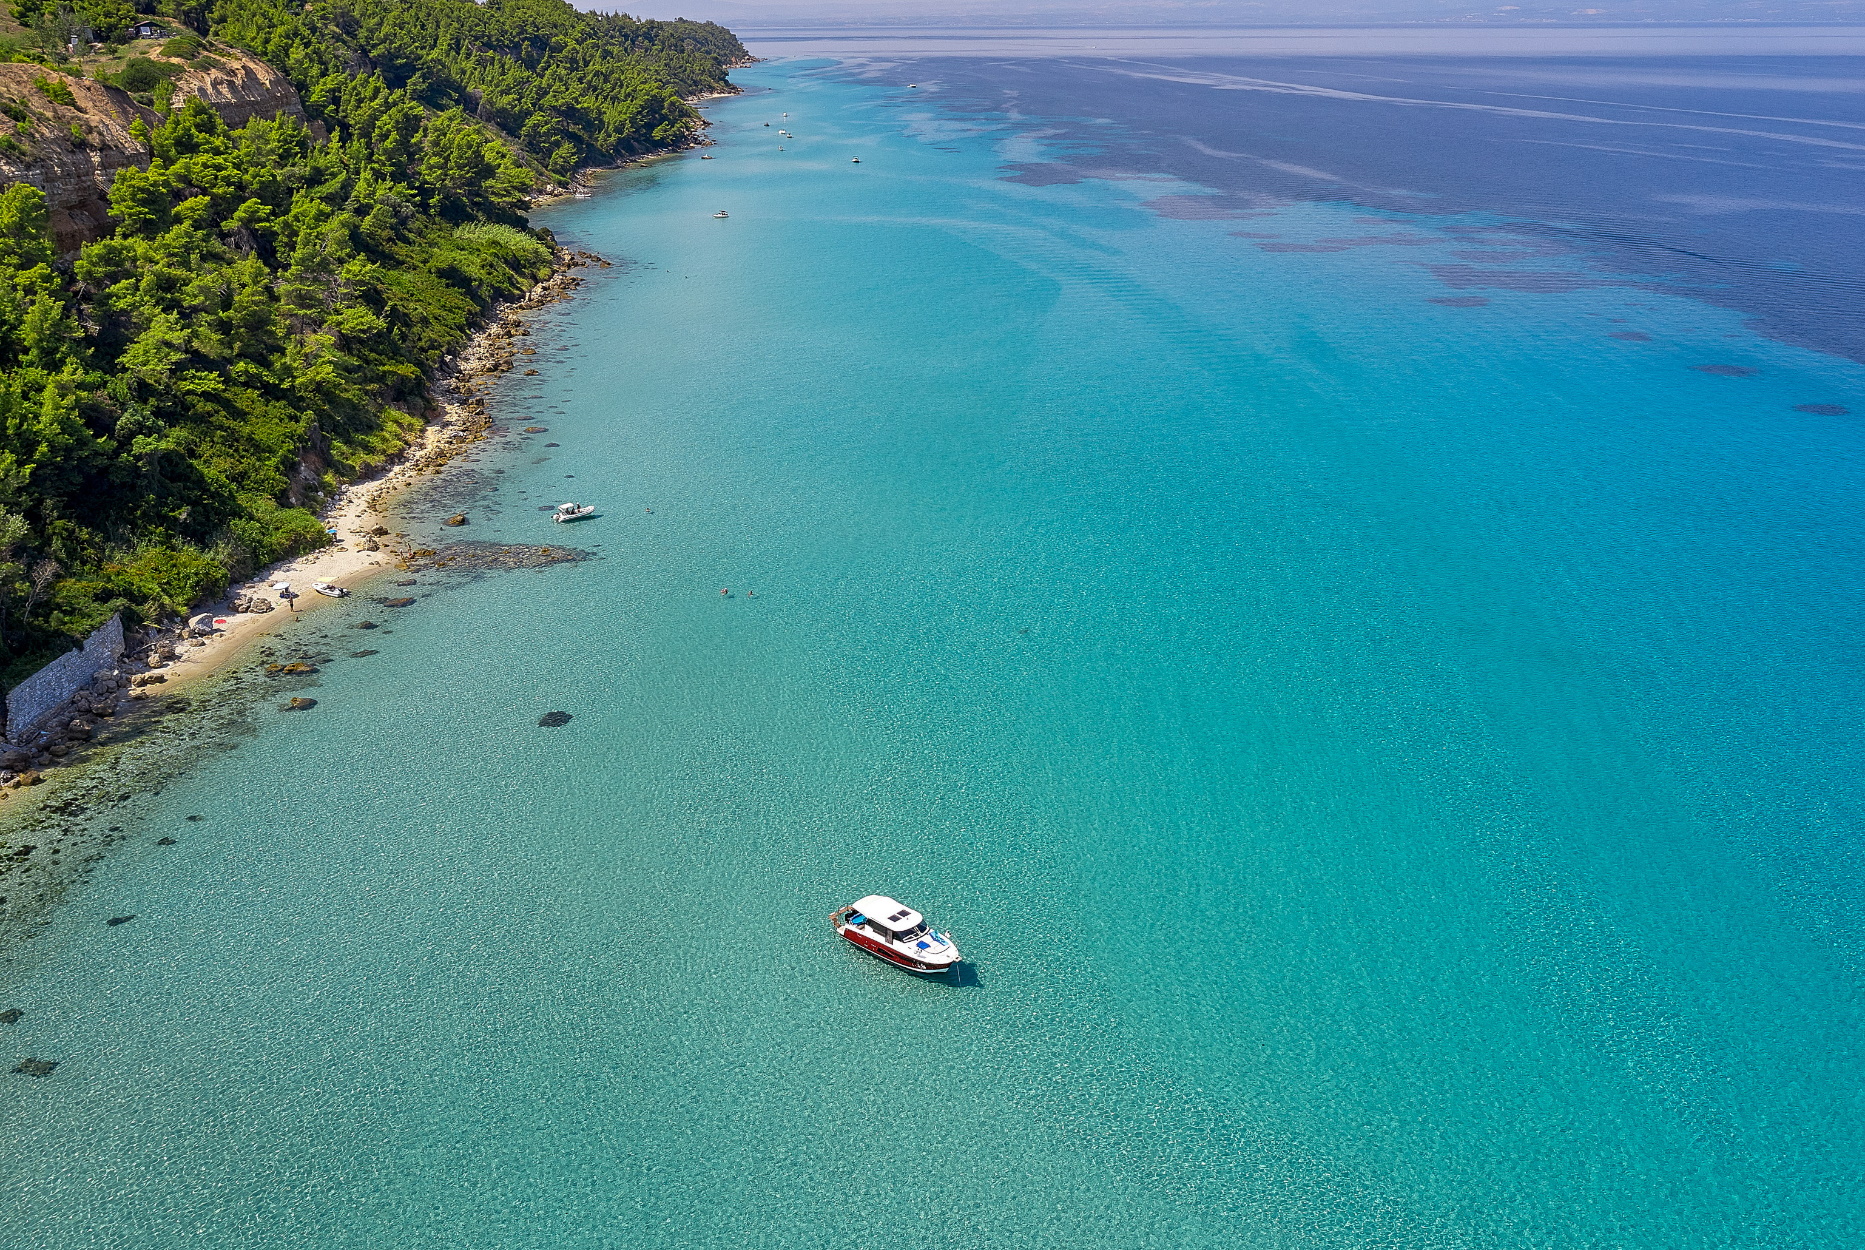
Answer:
(73, 152)
(241, 90)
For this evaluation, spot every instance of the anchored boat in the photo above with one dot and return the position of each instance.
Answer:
(895, 932)
(572, 511)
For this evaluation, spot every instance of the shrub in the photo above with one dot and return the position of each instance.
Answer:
(490, 233)
(141, 75)
(164, 578)
(57, 90)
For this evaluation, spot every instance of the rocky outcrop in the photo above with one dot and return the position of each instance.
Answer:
(74, 151)
(241, 90)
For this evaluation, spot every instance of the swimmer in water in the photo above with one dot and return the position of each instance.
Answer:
(725, 590)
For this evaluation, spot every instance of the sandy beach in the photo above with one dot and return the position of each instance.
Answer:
(154, 721)
(365, 547)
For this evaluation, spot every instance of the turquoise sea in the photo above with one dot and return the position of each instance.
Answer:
(1392, 765)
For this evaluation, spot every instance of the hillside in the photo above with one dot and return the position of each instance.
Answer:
(307, 208)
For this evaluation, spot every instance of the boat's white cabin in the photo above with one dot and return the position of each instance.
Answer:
(888, 918)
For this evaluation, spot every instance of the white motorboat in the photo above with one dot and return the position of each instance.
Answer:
(888, 928)
(329, 591)
(722, 213)
(573, 511)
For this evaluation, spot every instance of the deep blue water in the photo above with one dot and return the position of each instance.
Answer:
(1386, 741)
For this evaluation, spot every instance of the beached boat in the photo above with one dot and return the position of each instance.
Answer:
(893, 931)
(573, 511)
(329, 591)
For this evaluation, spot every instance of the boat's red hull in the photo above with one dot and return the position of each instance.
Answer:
(866, 943)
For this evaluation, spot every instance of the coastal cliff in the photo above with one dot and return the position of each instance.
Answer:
(73, 151)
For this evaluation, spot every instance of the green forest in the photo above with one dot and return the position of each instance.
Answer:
(272, 299)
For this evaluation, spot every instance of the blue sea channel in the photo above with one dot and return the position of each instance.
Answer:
(1370, 680)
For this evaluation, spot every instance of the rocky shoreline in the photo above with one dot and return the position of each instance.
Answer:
(121, 737)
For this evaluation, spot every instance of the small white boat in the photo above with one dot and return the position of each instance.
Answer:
(722, 213)
(573, 511)
(705, 156)
(329, 591)
(854, 160)
(893, 931)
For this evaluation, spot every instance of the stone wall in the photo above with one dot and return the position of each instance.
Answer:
(28, 702)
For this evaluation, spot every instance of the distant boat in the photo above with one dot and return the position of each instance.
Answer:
(854, 160)
(573, 511)
(705, 156)
(722, 213)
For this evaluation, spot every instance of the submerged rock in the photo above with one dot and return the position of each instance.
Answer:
(365, 625)
(397, 603)
(11, 1015)
(363, 655)
(458, 518)
(165, 841)
(114, 921)
(299, 704)
(550, 720)
(36, 1067)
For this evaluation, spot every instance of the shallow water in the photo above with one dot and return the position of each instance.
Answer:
(1389, 764)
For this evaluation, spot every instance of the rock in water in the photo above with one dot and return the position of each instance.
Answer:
(114, 921)
(11, 1015)
(363, 655)
(458, 518)
(550, 720)
(299, 704)
(396, 603)
(36, 1067)
(165, 841)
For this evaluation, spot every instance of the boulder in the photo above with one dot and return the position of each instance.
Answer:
(298, 705)
(397, 603)
(165, 841)
(148, 679)
(36, 1067)
(11, 1015)
(15, 760)
(366, 625)
(550, 720)
(458, 518)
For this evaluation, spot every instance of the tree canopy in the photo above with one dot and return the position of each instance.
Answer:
(266, 313)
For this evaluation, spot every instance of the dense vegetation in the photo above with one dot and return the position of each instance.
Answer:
(267, 312)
